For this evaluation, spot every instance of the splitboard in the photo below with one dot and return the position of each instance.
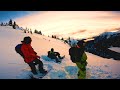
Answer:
(27, 74)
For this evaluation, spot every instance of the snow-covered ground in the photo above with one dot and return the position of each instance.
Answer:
(116, 49)
(12, 66)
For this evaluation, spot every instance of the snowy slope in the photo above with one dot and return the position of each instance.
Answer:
(12, 65)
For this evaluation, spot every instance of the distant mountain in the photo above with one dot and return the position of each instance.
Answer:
(101, 44)
(109, 39)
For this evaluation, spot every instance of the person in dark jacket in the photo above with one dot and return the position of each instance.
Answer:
(31, 57)
(78, 56)
(54, 55)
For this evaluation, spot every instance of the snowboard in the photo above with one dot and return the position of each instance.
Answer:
(39, 75)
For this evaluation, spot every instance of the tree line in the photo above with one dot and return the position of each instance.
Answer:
(27, 30)
(10, 23)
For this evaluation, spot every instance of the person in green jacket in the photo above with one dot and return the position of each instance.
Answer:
(78, 56)
(55, 55)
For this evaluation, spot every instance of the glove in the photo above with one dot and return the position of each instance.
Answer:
(38, 57)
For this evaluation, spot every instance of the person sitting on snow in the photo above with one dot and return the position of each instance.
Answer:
(54, 55)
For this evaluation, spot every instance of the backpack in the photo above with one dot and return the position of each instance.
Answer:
(18, 49)
(75, 54)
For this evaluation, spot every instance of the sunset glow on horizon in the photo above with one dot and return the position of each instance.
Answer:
(69, 22)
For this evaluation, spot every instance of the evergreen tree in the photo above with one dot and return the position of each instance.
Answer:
(30, 31)
(1, 23)
(14, 25)
(69, 38)
(62, 39)
(52, 36)
(10, 22)
(65, 41)
(24, 31)
(40, 32)
(35, 31)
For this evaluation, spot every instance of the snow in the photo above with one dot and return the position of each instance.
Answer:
(108, 34)
(116, 49)
(12, 65)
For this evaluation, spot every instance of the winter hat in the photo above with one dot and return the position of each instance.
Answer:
(27, 40)
(52, 49)
(73, 44)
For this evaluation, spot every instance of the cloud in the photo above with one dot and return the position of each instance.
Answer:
(110, 15)
(80, 31)
(70, 21)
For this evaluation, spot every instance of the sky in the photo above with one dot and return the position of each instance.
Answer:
(12, 65)
(65, 22)
(5, 16)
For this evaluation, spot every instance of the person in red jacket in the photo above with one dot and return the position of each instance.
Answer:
(30, 56)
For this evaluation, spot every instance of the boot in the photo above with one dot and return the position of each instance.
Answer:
(57, 61)
(43, 71)
(62, 57)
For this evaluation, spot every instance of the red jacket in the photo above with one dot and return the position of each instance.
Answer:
(29, 53)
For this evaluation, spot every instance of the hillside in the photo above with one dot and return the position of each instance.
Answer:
(101, 45)
(12, 66)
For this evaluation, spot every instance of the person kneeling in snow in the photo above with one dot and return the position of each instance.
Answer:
(54, 55)
(31, 57)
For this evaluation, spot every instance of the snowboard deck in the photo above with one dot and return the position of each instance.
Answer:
(39, 75)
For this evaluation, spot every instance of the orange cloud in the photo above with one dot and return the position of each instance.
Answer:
(69, 21)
